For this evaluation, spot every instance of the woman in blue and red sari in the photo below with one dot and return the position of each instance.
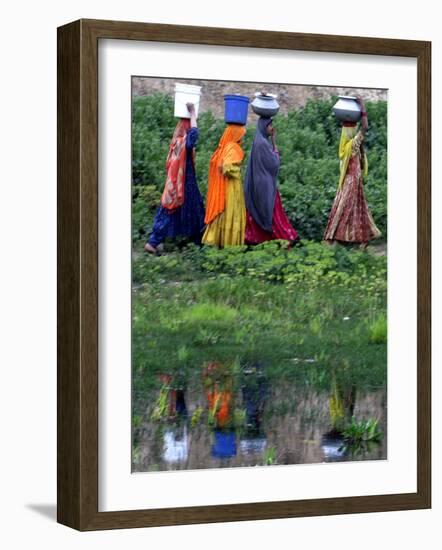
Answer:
(182, 209)
(266, 219)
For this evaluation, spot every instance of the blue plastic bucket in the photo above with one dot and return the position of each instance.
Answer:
(236, 108)
(224, 445)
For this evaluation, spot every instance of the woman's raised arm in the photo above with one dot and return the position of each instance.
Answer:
(191, 109)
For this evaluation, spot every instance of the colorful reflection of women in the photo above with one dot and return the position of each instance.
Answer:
(225, 208)
(350, 219)
(266, 219)
(182, 210)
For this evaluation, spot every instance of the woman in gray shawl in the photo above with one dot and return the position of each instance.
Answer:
(266, 219)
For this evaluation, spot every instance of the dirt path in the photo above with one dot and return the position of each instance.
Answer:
(378, 249)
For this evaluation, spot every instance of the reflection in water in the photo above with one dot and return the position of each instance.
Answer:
(176, 439)
(171, 410)
(234, 417)
(342, 404)
(255, 392)
(252, 445)
(333, 448)
(218, 381)
(180, 404)
(176, 444)
(224, 444)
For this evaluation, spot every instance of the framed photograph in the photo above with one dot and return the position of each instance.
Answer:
(243, 274)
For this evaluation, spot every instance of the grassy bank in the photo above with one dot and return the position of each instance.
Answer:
(307, 315)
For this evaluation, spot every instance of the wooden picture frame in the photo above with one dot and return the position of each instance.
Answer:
(78, 274)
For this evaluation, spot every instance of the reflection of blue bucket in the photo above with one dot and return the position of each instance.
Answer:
(236, 109)
(224, 445)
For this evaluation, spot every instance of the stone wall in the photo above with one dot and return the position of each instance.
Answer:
(290, 96)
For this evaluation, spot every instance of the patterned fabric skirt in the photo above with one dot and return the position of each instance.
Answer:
(281, 226)
(228, 228)
(350, 218)
(185, 221)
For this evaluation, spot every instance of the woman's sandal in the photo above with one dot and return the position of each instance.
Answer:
(150, 249)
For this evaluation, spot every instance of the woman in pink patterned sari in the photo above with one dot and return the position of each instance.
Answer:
(350, 219)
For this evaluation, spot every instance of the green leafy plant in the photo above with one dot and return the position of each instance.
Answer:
(196, 417)
(378, 330)
(160, 409)
(270, 456)
(359, 433)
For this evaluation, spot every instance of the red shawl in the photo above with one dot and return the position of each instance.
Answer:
(173, 194)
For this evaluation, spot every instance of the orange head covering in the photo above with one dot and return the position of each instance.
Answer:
(173, 194)
(228, 152)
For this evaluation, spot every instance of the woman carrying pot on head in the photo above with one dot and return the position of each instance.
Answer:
(350, 219)
(266, 219)
(225, 208)
(182, 210)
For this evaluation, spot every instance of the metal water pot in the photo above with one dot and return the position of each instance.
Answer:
(265, 104)
(347, 109)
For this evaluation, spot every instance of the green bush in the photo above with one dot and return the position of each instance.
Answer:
(308, 141)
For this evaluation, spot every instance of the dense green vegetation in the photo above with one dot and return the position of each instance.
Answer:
(307, 138)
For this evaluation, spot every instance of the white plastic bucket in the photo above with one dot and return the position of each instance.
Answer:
(186, 93)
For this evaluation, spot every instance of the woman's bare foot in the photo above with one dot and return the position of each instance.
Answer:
(363, 246)
(150, 249)
(330, 243)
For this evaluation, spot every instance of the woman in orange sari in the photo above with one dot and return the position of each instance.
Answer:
(225, 208)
